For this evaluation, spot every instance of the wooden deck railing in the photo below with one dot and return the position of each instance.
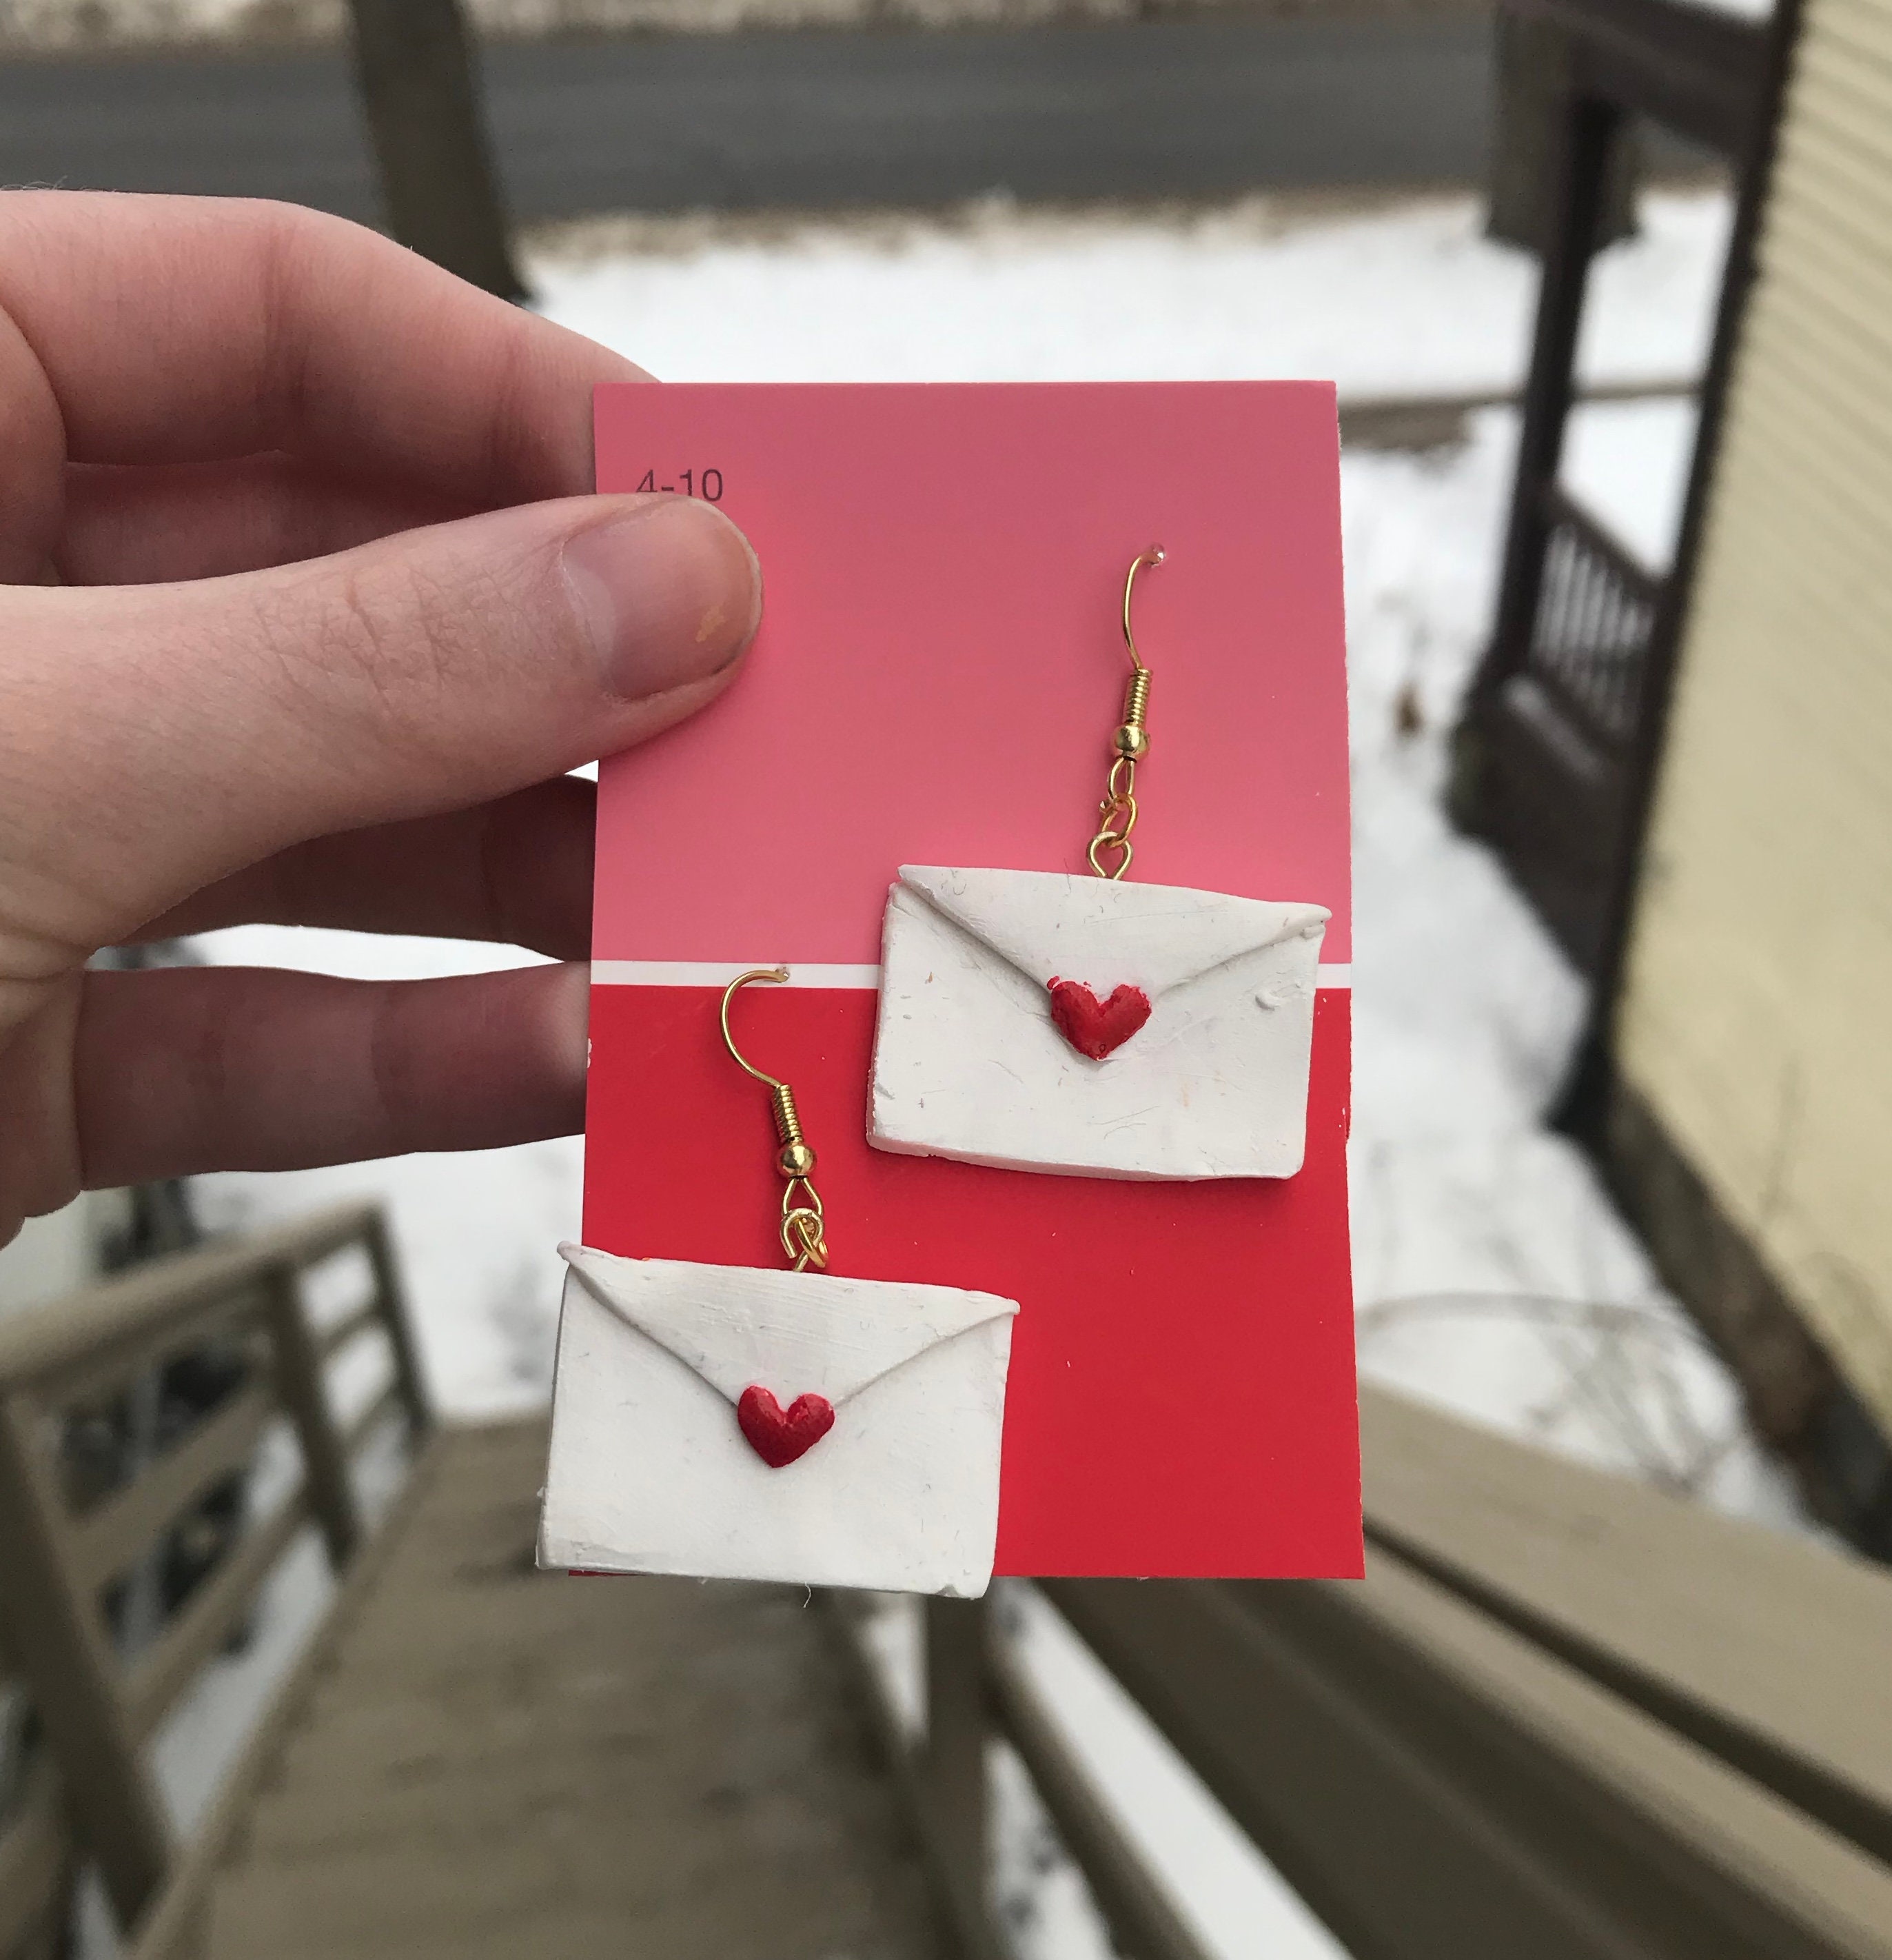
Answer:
(36, 1865)
(1555, 750)
(1589, 640)
(1564, 1716)
(1554, 719)
(97, 1698)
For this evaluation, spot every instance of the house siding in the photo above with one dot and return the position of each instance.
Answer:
(1755, 1020)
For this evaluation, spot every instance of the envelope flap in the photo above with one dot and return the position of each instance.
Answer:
(792, 1333)
(1053, 925)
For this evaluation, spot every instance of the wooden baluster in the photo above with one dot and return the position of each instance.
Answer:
(56, 1635)
(300, 1385)
(953, 1773)
(391, 1304)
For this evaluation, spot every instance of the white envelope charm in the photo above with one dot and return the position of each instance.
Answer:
(1039, 1021)
(731, 1422)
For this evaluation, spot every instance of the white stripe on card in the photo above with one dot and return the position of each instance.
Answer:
(712, 973)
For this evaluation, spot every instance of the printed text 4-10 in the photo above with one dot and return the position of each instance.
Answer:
(707, 484)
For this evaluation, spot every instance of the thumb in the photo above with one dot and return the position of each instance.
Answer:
(177, 732)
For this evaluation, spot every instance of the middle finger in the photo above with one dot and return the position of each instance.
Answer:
(516, 872)
(153, 524)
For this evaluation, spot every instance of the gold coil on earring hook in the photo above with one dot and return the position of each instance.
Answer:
(788, 1124)
(1129, 745)
(804, 1231)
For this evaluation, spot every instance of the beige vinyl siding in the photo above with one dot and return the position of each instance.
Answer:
(1757, 1013)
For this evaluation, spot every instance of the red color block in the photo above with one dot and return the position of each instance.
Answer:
(1182, 1401)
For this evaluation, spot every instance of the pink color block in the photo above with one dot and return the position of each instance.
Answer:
(940, 666)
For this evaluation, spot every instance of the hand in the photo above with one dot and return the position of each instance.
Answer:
(305, 614)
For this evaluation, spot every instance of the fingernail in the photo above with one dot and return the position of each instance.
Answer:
(670, 593)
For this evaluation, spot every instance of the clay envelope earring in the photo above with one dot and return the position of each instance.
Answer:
(1042, 1021)
(727, 1422)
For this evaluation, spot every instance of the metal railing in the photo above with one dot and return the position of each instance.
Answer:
(1563, 1715)
(96, 1697)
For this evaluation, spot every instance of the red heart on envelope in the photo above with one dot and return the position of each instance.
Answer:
(1095, 1027)
(779, 1435)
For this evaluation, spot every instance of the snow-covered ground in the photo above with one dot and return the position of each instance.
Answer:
(41, 25)
(45, 25)
(1386, 298)
(1492, 1276)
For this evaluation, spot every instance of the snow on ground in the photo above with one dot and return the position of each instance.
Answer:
(43, 25)
(1491, 1275)
(1387, 297)
(1629, 461)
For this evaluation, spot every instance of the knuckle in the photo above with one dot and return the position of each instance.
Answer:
(408, 634)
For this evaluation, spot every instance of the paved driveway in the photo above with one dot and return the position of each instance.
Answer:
(1176, 108)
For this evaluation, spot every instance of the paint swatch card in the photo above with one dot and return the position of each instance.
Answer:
(930, 710)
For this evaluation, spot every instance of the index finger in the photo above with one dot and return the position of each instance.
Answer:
(174, 329)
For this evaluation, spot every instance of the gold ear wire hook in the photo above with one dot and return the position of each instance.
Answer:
(775, 976)
(804, 1237)
(1154, 556)
(1129, 745)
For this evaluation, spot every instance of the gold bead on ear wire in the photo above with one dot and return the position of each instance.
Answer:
(1129, 745)
(804, 1236)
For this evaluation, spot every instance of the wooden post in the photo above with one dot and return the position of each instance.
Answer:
(1534, 79)
(1590, 129)
(300, 1385)
(953, 1772)
(55, 1634)
(421, 96)
(391, 1302)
